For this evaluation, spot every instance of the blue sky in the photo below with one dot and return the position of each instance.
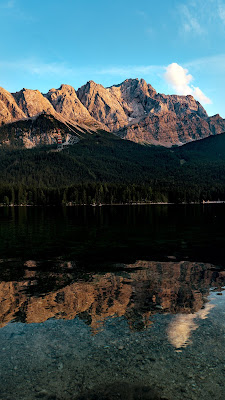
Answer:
(178, 46)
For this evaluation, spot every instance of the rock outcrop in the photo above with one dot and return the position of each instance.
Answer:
(32, 102)
(38, 130)
(66, 103)
(9, 110)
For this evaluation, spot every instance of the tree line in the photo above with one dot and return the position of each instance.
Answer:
(107, 193)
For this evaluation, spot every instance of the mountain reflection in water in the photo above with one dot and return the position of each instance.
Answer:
(133, 291)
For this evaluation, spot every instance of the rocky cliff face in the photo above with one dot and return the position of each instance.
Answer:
(216, 124)
(132, 110)
(66, 103)
(103, 106)
(9, 110)
(32, 102)
(167, 129)
(135, 111)
(133, 100)
(39, 130)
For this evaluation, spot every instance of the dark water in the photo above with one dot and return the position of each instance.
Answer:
(112, 302)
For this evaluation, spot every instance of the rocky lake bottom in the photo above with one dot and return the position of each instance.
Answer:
(148, 328)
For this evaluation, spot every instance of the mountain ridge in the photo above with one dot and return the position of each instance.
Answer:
(132, 110)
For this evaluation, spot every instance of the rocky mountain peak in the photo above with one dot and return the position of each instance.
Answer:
(135, 111)
(134, 85)
(102, 105)
(65, 102)
(32, 102)
(9, 110)
(91, 87)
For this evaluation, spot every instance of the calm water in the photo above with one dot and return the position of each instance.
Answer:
(112, 302)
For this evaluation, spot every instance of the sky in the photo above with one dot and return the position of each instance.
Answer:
(178, 46)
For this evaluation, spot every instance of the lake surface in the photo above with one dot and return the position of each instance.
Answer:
(123, 302)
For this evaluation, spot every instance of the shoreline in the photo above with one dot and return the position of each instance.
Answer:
(110, 204)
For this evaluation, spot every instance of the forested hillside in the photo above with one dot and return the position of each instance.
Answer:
(101, 168)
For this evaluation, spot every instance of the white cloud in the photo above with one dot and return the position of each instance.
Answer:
(180, 80)
(131, 70)
(46, 69)
(196, 17)
(175, 75)
(215, 62)
(221, 11)
(189, 21)
(199, 95)
(40, 68)
(34, 67)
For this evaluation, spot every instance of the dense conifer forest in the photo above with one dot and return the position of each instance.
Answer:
(103, 169)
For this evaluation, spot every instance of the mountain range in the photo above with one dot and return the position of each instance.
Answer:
(172, 152)
(132, 110)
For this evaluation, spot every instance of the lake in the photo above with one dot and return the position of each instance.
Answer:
(121, 302)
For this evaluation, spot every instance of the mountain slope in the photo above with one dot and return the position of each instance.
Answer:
(209, 149)
(102, 166)
(39, 130)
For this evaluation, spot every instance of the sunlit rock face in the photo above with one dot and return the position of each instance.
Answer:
(133, 110)
(66, 103)
(144, 289)
(102, 105)
(167, 129)
(32, 102)
(9, 110)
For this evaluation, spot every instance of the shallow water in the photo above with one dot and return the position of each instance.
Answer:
(109, 324)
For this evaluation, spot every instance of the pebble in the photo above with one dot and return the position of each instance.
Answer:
(42, 393)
